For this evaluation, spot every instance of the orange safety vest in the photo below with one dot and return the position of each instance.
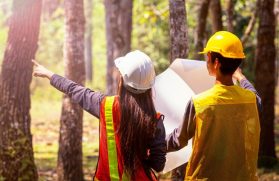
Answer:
(226, 140)
(110, 163)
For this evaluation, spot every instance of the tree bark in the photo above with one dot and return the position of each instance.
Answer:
(230, 15)
(178, 30)
(216, 15)
(70, 139)
(265, 80)
(179, 49)
(276, 10)
(16, 150)
(118, 35)
(199, 36)
(88, 41)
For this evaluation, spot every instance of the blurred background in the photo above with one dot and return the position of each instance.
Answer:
(164, 30)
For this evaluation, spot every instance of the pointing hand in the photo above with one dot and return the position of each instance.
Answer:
(41, 71)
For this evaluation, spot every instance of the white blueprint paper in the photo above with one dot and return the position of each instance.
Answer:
(172, 90)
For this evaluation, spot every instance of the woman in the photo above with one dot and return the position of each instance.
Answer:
(132, 135)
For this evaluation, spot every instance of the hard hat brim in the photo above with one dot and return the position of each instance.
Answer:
(224, 55)
(203, 52)
(120, 64)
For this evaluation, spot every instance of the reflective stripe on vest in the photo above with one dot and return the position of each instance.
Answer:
(112, 152)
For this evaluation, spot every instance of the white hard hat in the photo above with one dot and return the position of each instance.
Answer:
(137, 71)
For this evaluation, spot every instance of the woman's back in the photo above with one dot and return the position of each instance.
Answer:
(111, 160)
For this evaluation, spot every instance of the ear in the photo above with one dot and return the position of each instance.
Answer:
(216, 64)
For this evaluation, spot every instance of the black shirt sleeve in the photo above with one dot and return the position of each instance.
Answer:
(180, 136)
(244, 83)
(89, 100)
(157, 157)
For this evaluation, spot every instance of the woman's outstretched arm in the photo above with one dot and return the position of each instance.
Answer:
(89, 100)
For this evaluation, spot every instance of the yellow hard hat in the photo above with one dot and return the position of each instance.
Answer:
(225, 43)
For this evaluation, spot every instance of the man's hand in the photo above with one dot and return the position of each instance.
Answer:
(238, 75)
(41, 71)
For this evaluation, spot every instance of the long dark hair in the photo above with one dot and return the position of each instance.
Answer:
(137, 128)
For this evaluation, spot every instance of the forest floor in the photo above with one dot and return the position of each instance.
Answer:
(45, 129)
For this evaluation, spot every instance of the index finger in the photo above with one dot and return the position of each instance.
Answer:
(239, 69)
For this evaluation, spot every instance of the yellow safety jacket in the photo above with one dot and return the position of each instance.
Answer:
(226, 140)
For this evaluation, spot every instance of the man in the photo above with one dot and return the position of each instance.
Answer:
(223, 121)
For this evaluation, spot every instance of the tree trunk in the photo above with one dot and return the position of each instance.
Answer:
(178, 30)
(118, 35)
(179, 49)
(216, 15)
(88, 41)
(199, 36)
(265, 80)
(16, 150)
(230, 14)
(276, 10)
(70, 141)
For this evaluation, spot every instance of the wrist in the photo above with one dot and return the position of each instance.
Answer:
(241, 77)
(49, 75)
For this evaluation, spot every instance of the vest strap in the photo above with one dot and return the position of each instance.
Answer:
(111, 144)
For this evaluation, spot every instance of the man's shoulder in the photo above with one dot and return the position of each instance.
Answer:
(203, 95)
(246, 94)
(225, 95)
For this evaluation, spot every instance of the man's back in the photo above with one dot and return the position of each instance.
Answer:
(226, 136)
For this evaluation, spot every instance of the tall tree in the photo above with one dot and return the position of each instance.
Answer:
(230, 14)
(118, 35)
(179, 49)
(88, 40)
(178, 30)
(199, 36)
(70, 141)
(16, 150)
(265, 78)
(216, 15)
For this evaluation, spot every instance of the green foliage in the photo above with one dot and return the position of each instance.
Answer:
(3, 35)
(150, 31)
(248, 65)
(99, 46)
(244, 11)
(51, 40)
